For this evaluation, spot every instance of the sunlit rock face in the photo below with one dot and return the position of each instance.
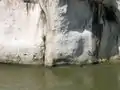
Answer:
(54, 32)
(20, 33)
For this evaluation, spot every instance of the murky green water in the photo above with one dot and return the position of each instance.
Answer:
(99, 77)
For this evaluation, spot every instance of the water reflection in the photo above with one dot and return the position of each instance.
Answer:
(103, 77)
(73, 78)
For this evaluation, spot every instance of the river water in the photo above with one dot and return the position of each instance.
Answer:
(98, 77)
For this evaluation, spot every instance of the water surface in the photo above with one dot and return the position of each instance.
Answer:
(98, 77)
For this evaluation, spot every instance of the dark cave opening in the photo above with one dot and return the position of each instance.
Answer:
(104, 13)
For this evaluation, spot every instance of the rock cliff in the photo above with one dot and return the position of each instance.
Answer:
(58, 31)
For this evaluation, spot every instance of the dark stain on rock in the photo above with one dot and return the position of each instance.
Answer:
(101, 12)
(29, 4)
(35, 57)
(25, 54)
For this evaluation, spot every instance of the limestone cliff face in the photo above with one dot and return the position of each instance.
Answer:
(20, 32)
(54, 31)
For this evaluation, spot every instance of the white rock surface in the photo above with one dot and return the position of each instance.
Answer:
(20, 35)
